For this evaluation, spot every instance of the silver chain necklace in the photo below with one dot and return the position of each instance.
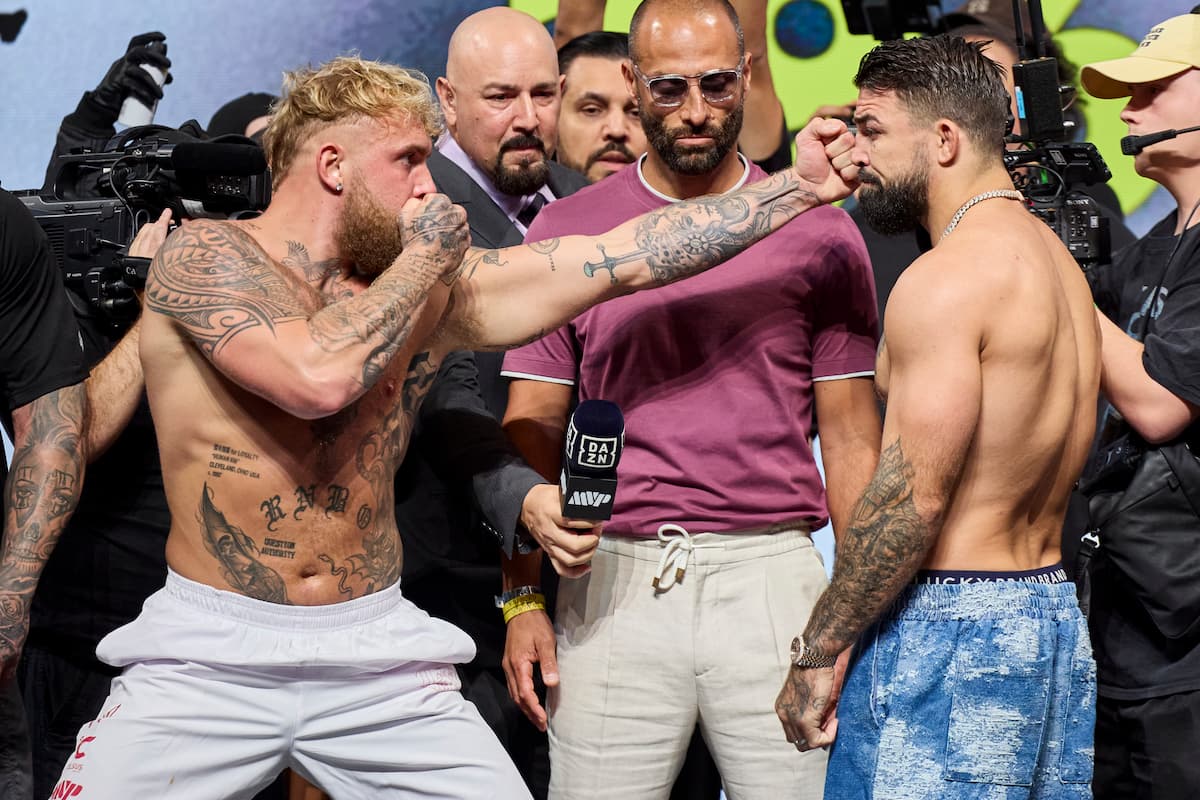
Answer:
(1008, 194)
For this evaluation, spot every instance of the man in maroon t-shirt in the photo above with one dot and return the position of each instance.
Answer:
(706, 569)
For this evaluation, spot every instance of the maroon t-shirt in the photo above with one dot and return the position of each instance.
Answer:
(714, 373)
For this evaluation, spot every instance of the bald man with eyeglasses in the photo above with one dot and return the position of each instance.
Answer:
(707, 564)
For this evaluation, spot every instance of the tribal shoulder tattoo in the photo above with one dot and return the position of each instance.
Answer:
(215, 281)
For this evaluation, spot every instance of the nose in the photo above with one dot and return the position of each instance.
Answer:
(423, 182)
(695, 110)
(525, 117)
(616, 125)
(858, 154)
(1129, 112)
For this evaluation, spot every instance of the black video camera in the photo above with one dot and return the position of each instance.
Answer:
(1048, 169)
(97, 201)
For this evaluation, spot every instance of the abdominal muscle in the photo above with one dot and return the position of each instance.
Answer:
(278, 508)
(312, 544)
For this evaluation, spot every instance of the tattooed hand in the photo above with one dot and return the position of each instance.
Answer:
(807, 704)
(434, 225)
(823, 162)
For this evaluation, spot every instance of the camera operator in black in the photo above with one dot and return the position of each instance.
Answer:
(110, 556)
(1145, 577)
(41, 366)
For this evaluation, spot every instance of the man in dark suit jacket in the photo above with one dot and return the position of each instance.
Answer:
(463, 488)
(492, 227)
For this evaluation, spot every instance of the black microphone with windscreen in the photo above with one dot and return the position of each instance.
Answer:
(595, 437)
(1132, 145)
(218, 158)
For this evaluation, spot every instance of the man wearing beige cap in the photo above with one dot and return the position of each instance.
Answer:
(1145, 577)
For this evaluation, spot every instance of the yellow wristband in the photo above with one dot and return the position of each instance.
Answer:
(519, 605)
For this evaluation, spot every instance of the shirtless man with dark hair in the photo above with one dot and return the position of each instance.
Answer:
(285, 358)
(973, 665)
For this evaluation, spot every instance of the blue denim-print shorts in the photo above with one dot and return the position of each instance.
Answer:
(970, 688)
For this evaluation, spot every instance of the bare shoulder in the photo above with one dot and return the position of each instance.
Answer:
(937, 297)
(213, 279)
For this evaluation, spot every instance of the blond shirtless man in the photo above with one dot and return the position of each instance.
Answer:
(285, 359)
(973, 672)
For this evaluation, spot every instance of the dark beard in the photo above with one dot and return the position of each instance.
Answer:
(524, 177)
(898, 206)
(366, 234)
(691, 160)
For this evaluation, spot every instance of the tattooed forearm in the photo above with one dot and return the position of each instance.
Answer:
(885, 544)
(43, 488)
(685, 238)
(238, 556)
(382, 317)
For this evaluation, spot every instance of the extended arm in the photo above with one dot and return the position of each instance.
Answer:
(1156, 413)
(934, 400)
(577, 17)
(759, 138)
(507, 297)
(43, 488)
(247, 316)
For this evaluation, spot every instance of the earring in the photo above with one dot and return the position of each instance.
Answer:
(338, 188)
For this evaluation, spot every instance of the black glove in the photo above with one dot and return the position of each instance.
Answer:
(126, 77)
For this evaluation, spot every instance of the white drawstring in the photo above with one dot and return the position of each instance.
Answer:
(674, 560)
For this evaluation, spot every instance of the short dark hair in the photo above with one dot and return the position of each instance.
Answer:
(594, 44)
(942, 77)
(691, 5)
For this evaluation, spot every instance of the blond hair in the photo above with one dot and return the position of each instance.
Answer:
(343, 90)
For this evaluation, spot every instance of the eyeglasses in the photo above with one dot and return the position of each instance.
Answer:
(716, 85)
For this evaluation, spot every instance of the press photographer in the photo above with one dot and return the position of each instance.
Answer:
(1143, 479)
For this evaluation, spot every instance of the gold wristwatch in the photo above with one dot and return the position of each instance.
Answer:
(803, 656)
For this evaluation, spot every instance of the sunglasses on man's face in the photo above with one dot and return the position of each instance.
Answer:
(669, 91)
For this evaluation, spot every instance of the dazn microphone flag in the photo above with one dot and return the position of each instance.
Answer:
(595, 437)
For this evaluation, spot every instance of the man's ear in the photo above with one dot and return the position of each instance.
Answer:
(329, 166)
(949, 141)
(447, 99)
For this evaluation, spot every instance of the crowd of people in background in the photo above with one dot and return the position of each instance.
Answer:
(385, 598)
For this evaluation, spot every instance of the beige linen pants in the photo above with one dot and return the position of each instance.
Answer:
(640, 666)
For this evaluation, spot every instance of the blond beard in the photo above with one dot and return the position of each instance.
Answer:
(367, 234)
